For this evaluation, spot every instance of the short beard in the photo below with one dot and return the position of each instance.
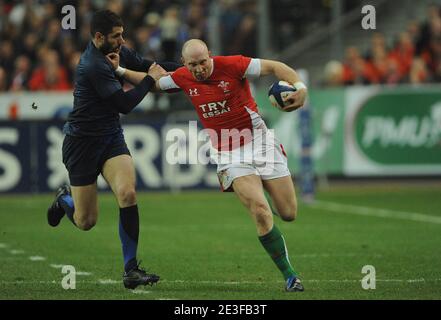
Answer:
(107, 48)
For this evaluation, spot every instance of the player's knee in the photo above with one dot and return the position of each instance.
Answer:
(86, 224)
(291, 213)
(262, 214)
(289, 218)
(259, 208)
(288, 212)
(264, 223)
(126, 196)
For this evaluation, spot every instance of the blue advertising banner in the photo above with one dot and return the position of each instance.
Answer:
(31, 159)
(16, 160)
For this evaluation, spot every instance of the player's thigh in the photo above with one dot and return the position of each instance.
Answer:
(119, 172)
(249, 190)
(86, 202)
(282, 192)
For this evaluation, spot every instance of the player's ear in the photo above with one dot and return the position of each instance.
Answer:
(183, 60)
(99, 36)
(209, 53)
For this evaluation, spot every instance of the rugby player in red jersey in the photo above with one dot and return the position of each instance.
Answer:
(249, 157)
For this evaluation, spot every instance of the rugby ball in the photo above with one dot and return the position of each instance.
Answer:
(277, 92)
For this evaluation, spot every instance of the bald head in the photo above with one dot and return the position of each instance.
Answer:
(194, 47)
(196, 57)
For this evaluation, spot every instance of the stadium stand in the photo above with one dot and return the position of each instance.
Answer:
(37, 54)
(413, 56)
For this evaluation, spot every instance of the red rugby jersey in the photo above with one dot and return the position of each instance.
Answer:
(222, 100)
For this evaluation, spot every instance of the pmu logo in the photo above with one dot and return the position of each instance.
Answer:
(400, 130)
(193, 92)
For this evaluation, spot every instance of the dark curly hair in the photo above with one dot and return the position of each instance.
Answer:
(103, 21)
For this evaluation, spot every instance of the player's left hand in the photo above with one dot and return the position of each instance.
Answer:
(295, 100)
(113, 59)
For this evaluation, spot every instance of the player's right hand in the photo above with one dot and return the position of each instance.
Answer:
(294, 100)
(113, 58)
(156, 71)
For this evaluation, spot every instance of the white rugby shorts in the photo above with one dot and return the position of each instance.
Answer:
(264, 157)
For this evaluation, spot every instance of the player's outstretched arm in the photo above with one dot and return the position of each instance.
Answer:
(135, 77)
(126, 101)
(288, 74)
(167, 84)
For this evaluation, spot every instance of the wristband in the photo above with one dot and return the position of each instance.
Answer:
(299, 85)
(120, 71)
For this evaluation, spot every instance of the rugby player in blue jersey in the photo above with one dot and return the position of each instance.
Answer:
(94, 141)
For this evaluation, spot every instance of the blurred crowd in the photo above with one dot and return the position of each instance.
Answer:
(415, 57)
(36, 53)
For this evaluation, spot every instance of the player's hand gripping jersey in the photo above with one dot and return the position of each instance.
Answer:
(223, 101)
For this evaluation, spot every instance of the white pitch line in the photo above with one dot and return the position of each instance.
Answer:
(16, 251)
(378, 280)
(214, 282)
(334, 255)
(108, 281)
(137, 291)
(376, 212)
(40, 258)
(30, 282)
(3, 245)
(303, 280)
(210, 281)
(37, 258)
(78, 273)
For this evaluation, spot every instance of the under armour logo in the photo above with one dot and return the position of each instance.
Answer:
(194, 92)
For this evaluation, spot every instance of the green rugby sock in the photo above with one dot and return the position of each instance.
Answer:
(274, 244)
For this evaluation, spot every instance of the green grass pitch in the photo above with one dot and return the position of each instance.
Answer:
(204, 246)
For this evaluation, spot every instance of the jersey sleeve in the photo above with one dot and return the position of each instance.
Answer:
(253, 70)
(103, 80)
(170, 66)
(167, 83)
(130, 59)
(237, 65)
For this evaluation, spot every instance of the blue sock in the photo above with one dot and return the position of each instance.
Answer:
(128, 234)
(66, 202)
